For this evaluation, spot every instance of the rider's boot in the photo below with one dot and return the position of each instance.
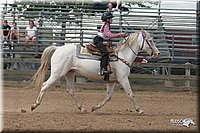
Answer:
(103, 71)
(106, 77)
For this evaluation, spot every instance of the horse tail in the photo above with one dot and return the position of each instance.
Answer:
(39, 76)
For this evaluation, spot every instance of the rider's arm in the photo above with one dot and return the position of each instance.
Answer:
(107, 33)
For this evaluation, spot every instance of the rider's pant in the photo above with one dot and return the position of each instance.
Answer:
(98, 41)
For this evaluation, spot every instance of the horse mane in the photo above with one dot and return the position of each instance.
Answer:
(131, 37)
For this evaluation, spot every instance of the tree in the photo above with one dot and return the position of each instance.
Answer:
(141, 3)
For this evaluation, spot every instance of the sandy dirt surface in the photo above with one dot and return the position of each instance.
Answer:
(58, 111)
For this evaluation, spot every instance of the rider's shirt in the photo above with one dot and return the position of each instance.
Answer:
(105, 32)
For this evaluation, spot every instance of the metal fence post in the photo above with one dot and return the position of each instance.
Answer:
(81, 26)
(187, 74)
(198, 25)
(198, 21)
(198, 32)
(172, 47)
(120, 20)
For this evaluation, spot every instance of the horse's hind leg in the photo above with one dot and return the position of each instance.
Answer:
(71, 90)
(45, 86)
(110, 88)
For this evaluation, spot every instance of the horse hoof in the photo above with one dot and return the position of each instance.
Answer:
(83, 111)
(33, 107)
(141, 112)
(93, 109)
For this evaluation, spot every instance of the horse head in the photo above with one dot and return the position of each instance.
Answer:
(142, 40)
(147, 44)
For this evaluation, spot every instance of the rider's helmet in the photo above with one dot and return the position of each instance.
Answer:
(106, 15)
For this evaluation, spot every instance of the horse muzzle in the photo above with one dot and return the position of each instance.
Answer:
(156, 55)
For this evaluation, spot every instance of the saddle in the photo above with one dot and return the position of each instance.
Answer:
(92, 49)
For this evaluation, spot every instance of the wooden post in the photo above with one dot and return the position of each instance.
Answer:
(163, 70)
(169, 82)
(187, 74)
(173, 48)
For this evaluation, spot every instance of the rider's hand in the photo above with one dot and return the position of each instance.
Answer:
(122, 34)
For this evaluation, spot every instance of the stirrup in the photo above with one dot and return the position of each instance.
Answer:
(99, 73)
(103, 72)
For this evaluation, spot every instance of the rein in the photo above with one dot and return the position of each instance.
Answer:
(131, 49)
(126, 39)
(128, 44)
(144, 40)
(123, 60)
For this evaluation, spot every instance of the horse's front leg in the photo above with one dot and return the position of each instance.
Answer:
(110, 88)
(126, 85)
(71, 90)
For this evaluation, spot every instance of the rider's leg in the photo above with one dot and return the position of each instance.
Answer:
(98, 41)
(104, 64)
(104, 61)
(104, 58)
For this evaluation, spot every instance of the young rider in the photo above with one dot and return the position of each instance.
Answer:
(102, 35)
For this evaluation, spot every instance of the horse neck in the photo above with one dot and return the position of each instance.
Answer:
(134, 42)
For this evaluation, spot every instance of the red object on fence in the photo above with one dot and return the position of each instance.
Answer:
(140, 60)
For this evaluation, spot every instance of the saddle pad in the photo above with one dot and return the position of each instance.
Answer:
(82, 53)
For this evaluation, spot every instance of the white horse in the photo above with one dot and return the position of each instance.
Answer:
(64, 63)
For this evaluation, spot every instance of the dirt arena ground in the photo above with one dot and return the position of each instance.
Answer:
(59, 113)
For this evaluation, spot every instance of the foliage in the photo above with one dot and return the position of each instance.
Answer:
(56, 8)
(142, 3)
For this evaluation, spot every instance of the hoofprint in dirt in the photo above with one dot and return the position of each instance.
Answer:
(162, 111)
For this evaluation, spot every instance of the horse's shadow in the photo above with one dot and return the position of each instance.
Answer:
(128, 113)
(110, 113)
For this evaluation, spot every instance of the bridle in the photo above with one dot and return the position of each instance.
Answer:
(147, 42)
(142, 45)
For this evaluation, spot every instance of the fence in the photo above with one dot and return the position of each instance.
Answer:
(174, 30)
(167, 72)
